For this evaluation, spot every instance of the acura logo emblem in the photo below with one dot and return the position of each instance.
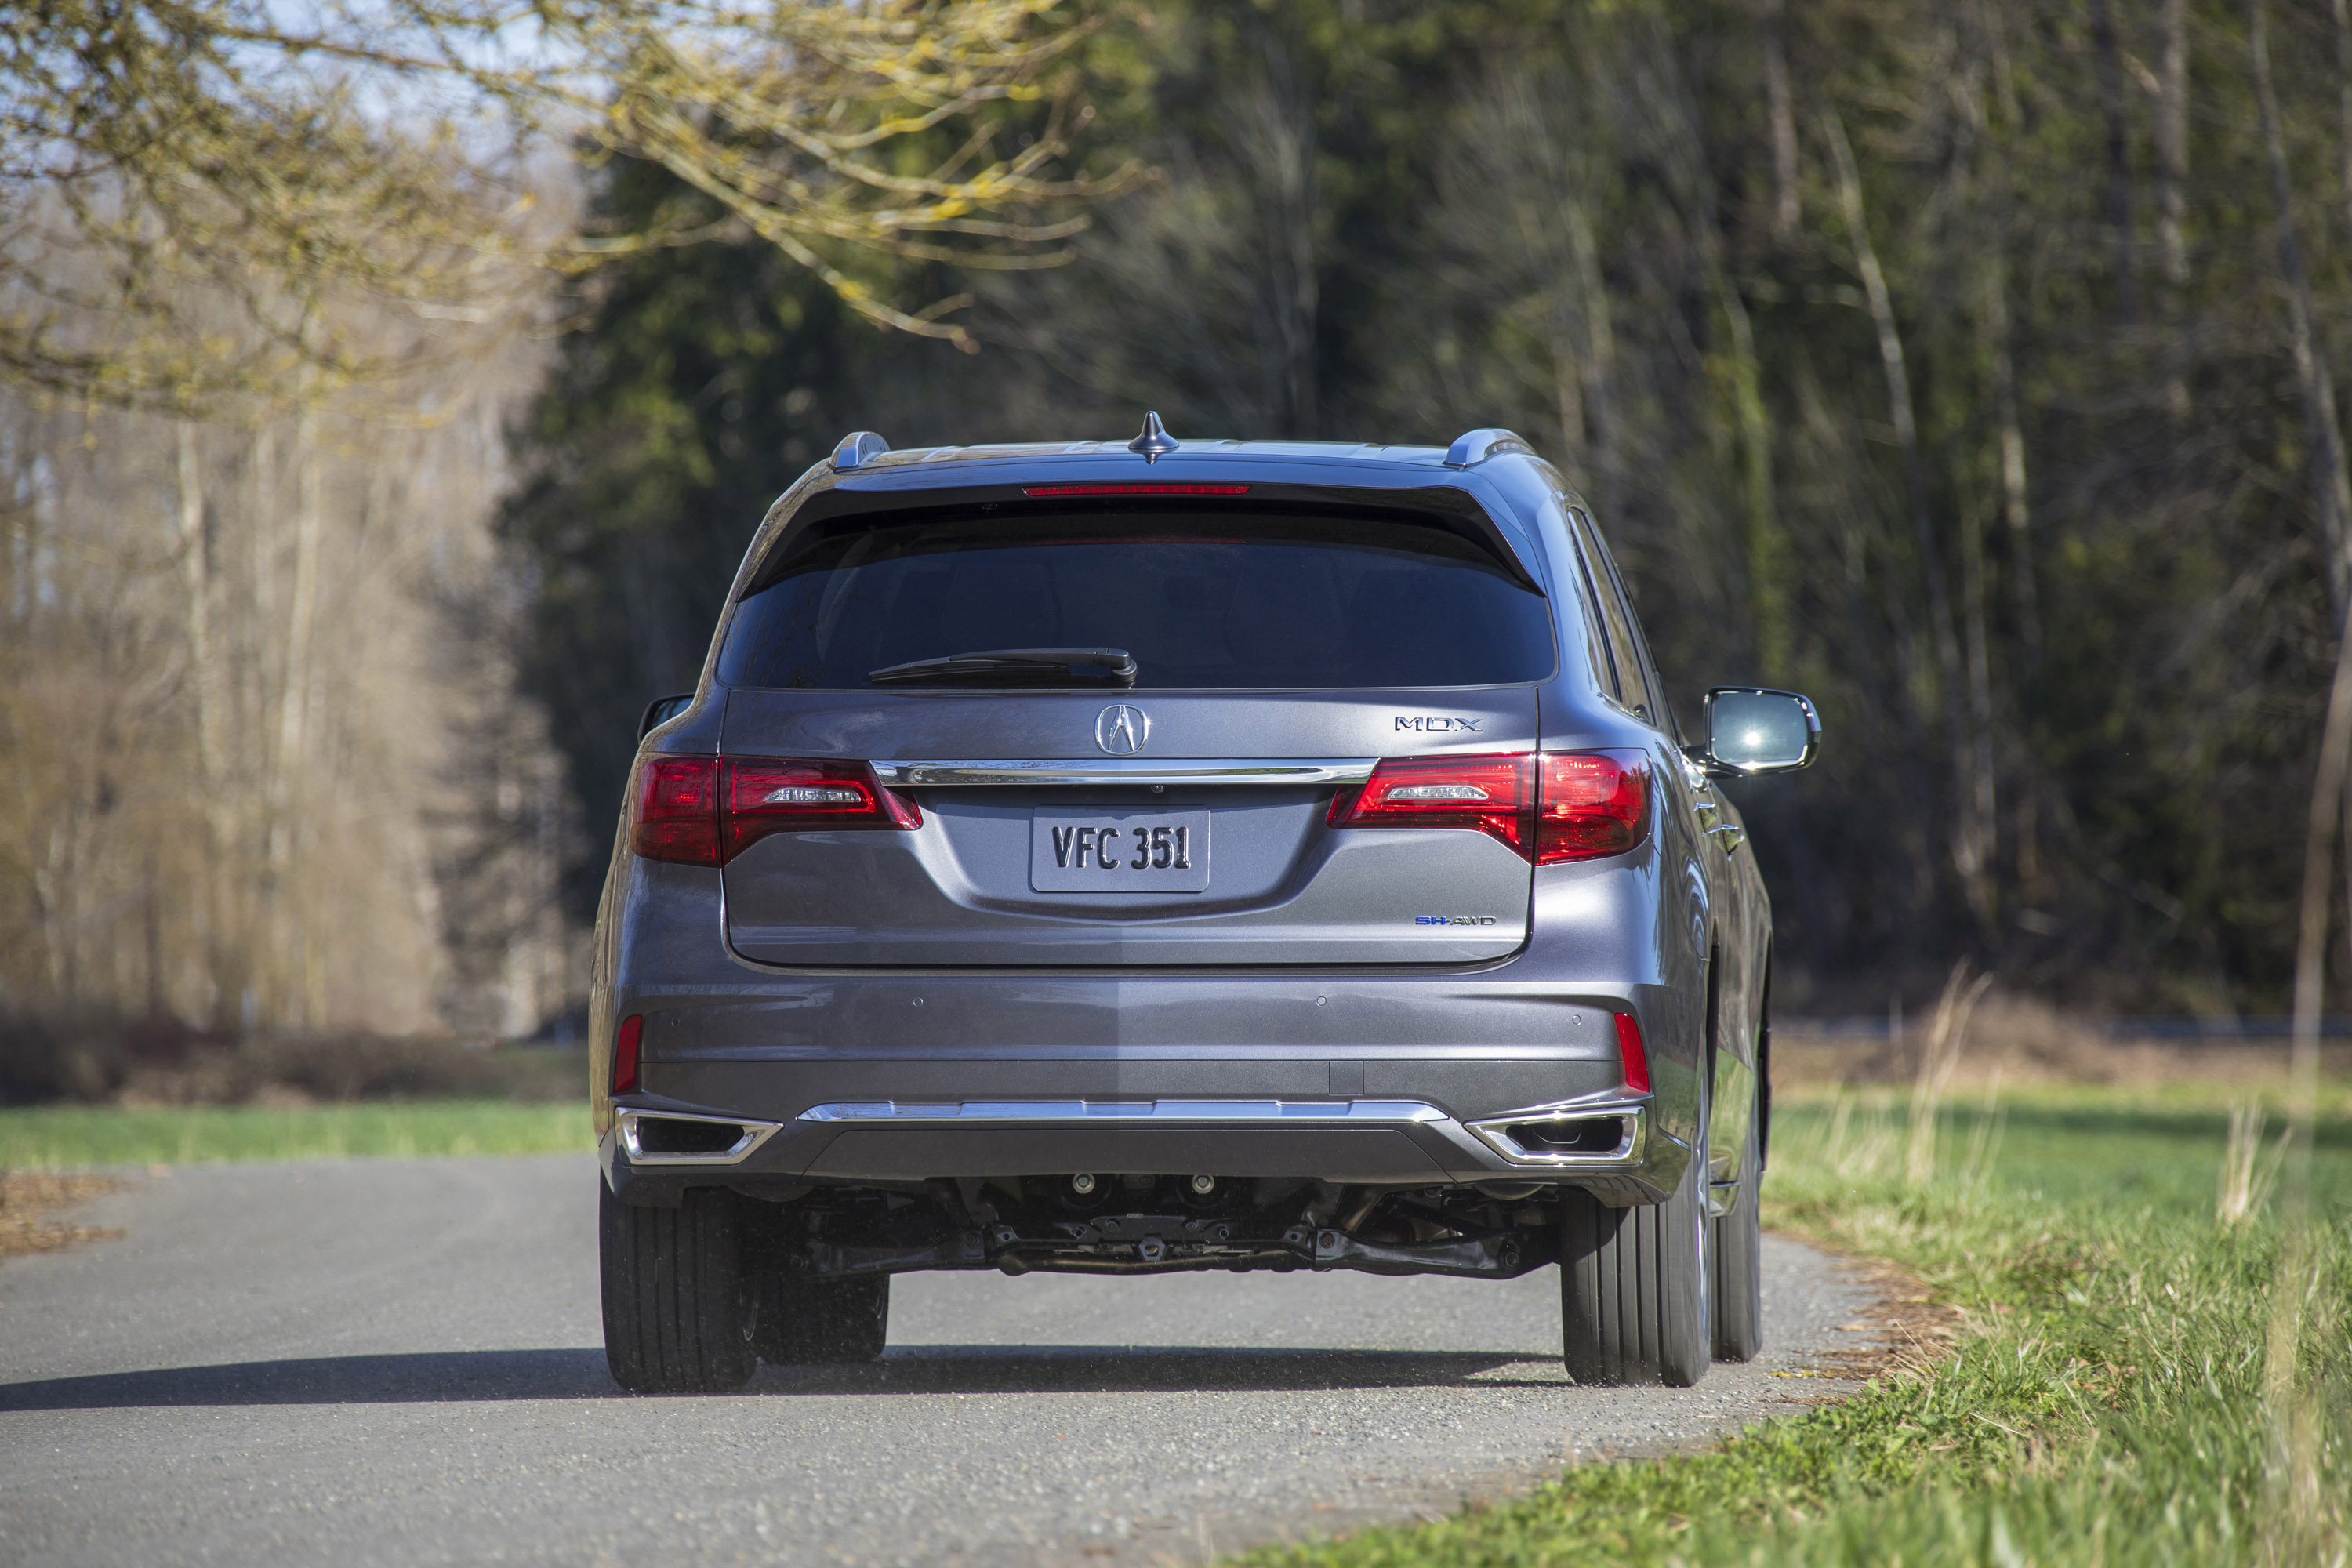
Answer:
(1122, 731)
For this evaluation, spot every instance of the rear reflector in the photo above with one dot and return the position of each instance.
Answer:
(625, 1054)
(1135, 490)
(703, 811)
(1629, 1051)
(1489, 792)
(1594, 803)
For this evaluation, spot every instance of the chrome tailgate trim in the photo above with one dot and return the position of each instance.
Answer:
(1130, 771)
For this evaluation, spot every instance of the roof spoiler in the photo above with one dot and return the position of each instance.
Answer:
(857, 448)
(1477, 445)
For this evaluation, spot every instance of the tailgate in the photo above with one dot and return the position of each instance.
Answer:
(1208, 844)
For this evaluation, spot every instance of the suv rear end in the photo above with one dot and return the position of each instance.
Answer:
(1072, 860)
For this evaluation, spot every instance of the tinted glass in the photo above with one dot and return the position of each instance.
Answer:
(1618, 619)
(1604, 669)
(1201, 600)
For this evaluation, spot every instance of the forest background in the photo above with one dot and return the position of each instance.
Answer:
(1970, 367)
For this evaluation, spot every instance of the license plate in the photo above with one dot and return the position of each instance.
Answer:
(1119, 851)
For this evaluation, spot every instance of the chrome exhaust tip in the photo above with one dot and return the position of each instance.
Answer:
(1566, 1136)
(679, 1138)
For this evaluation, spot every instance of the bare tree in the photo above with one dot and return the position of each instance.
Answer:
(2330, 490)
(225, 150)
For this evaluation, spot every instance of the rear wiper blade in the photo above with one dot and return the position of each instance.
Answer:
(1117, 664)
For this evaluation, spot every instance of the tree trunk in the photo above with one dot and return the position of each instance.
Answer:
(1600, 358)
(2343, 14)
(1781, 115)
(1967, 840)
(2318, 388)
(1762, 546)
(293, 697)
(2172, 189)
(2119, 193)
(290, 935)
(2016, 506)
(1986, 809)
(204, 670)
(1281, 135)
(1768, 588)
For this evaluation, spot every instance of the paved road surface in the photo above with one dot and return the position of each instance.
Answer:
(399, 1362)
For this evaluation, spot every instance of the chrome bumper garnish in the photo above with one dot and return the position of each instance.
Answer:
(890, 1112)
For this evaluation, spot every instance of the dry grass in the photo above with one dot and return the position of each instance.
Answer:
(146, 1065)
(2017, 1041)
(29, 1200)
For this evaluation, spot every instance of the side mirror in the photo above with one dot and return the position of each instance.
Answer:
(1751, 729)
(661, 710)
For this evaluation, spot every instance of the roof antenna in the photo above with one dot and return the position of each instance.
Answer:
(1155, 443)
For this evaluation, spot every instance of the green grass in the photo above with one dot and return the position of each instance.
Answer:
(2105, 1405)
(53, 1137)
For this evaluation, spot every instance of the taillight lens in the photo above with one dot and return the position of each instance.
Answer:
(703, 811)
(1490, 792)
(677, 810)
(784, 794)
(1635, 1056)
(1592, 804)
(625, 1054)
(1551, 807)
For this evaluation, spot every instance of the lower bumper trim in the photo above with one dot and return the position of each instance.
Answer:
(969, 1112)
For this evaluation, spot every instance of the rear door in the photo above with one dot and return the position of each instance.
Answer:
(1216, 810)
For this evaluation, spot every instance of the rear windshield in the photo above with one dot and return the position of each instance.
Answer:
(1201, 600)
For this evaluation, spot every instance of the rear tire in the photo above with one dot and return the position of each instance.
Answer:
(1739, 1257)
(1633, 1285)
(805, 1322)
(675, 1319)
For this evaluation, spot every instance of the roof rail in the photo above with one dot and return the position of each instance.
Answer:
(857, 448)
(1477, 445)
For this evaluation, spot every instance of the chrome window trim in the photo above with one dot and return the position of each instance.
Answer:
(754, 1134)
(887, 1112)
(1495, 1132)
(1130, 771)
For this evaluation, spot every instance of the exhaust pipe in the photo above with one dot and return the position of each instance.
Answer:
(679, 1138)
(1566, 1135)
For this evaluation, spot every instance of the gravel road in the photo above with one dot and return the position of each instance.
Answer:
(400, 1363)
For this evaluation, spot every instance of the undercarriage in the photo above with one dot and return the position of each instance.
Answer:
(1151, 1224)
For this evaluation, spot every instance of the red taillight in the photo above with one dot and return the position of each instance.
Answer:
(1135, 490)
(783, 794)
(1593, 804)
(702, 811)
(625, 1054)
(1489, 792)
(1550, 806)
(1629, 1051)
(677, 810)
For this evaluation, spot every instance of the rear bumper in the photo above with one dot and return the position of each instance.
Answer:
(924, 1132)
(1371, 1075)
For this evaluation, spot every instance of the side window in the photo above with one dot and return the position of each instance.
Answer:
(1664, 705)
(1604, 668)
(1617, 620)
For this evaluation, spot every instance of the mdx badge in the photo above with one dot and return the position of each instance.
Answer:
(1438, 724)
(1122, 729)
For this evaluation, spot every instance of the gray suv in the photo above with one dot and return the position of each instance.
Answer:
(1127, 858)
